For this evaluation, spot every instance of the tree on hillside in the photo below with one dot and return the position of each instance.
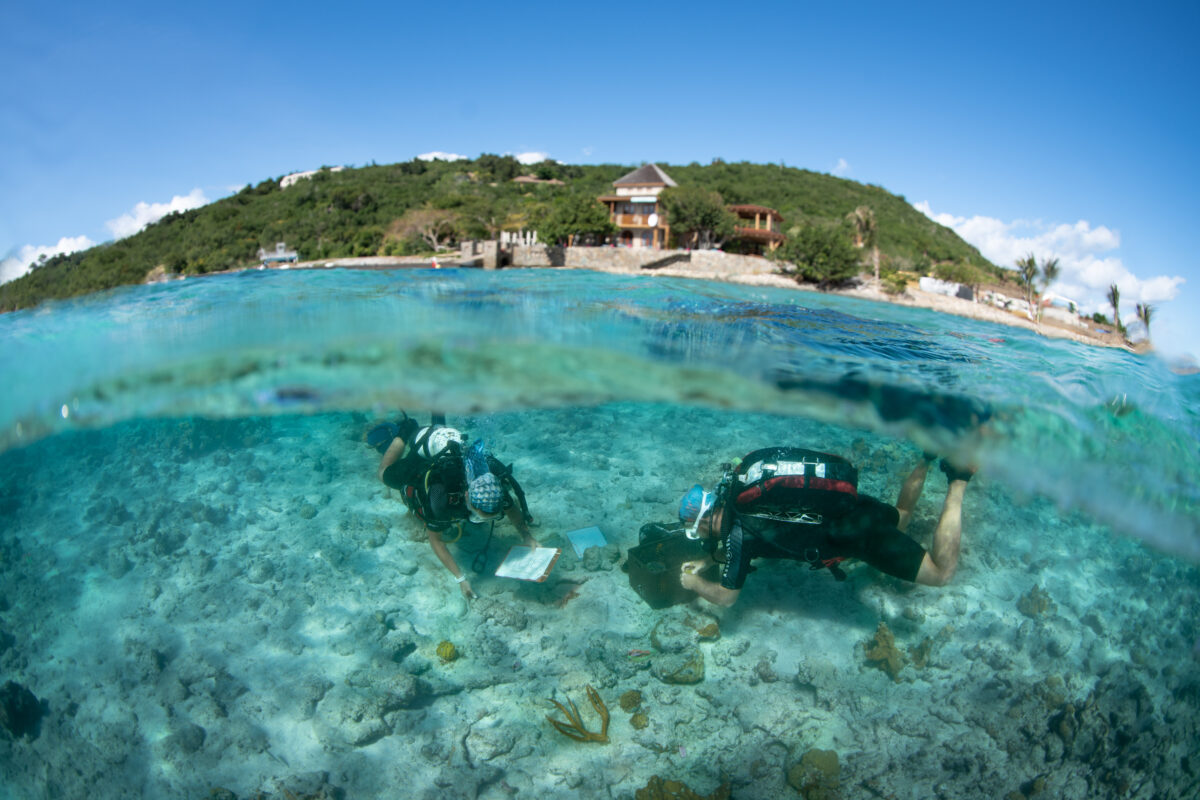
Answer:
(483, 218)
(498, 168)
(866, 232)
(573, 216)
(1114, 300)
(434, 226)
(821, 254)
(698, 217)
(1144, 312)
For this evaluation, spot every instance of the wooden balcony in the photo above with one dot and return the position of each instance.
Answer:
(636, 221)
(759, 235)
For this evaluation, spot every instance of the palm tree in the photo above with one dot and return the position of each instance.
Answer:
(1144, 312)
(1027, 273)
(865, 233)
(1114, 300)
(1049, 274)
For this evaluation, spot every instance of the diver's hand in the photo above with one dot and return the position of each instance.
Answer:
(528, 540)
(689, 577)
(467, 591)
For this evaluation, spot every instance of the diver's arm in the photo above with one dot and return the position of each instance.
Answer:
(689, 578)
(391, 455)
(443, 553)
(517, 518)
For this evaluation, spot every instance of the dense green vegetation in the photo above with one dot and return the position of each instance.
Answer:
(820, 254)
(414, 206)
(699, 218)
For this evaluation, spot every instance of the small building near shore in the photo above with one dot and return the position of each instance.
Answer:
(641, 221)
(635, 210)
(281, 255)
(948, 288)
(1062, 309)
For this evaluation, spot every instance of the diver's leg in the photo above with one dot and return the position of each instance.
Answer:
(910, 492)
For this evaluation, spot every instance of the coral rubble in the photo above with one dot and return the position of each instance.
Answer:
(1036, 603)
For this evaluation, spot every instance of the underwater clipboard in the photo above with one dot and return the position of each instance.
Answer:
(528, 563)
(584, 538)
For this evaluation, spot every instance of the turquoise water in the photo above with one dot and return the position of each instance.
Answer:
(206, 586)
(1100, 429)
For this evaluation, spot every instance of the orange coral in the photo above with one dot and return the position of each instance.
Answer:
(574, 728)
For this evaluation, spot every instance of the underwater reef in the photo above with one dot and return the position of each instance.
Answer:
(241, 609)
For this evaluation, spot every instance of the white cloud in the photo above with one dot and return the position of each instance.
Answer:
(842, 168)
(145, 213)
(530, 158)
(1087, 261)
(14, 267)
(438, 155)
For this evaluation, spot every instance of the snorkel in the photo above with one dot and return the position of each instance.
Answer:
(703, 503)
(707, 501)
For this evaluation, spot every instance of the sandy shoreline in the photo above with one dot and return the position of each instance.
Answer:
(914, 298)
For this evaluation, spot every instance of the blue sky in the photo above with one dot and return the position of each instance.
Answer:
(1065, 129)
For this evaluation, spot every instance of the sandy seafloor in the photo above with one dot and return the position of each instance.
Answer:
(241, 606)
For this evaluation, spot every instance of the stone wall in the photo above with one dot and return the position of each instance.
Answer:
(634, 259)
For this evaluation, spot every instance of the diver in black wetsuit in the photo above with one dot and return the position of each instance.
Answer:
(447, 484)
(803, 505)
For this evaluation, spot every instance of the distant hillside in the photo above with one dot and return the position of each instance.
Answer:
(362, 212)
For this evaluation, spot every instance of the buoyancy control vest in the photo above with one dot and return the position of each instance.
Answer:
(437, 454)
(796, 486)
(792, 484)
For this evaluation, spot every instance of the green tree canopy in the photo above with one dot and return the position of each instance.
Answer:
(959, 272)
(498, 168)
(820, 254)
(698, 216)
(572, 216)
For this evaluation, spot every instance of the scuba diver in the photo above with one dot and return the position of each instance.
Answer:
(447, 483)
(804, 505)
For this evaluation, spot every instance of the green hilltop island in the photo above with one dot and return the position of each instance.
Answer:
(757, 223)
